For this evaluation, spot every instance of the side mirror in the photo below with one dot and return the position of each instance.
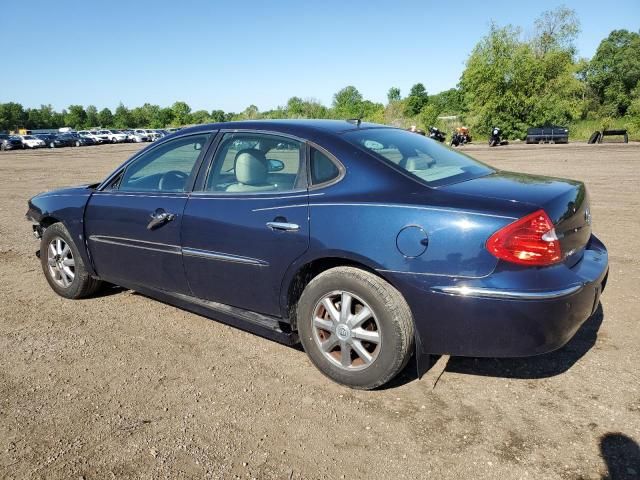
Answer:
(276, 165)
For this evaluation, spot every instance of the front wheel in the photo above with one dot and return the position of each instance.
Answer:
(356, 328)
(62, 265)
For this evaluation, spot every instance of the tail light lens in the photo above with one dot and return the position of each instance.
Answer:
(531, 240)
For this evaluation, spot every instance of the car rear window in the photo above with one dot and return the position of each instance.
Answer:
(424, 159)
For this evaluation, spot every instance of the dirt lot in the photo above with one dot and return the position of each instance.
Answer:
(122, 386)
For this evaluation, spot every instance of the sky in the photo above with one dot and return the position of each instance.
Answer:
(227, 55)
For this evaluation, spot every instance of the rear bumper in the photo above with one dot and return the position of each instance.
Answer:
(482, 318)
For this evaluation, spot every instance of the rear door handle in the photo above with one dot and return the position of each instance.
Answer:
(284, 226)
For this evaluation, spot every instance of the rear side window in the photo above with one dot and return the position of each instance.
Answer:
(322, 169)
(247, 163)
(422, 158)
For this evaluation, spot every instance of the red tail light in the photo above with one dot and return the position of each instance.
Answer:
(531, 240)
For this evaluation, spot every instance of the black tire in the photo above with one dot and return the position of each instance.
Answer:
(392, 315)
(595, 136)
(77, 143)
(52, 145)
(83, 285)
(114, 140)
(492, 143)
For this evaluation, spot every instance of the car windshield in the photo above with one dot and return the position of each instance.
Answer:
(424, 159)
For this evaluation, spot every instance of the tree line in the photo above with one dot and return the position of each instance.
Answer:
(509, 81)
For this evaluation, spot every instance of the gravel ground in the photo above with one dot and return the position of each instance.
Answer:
(122, 386)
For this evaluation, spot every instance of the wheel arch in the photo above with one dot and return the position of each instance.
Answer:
(301, 274)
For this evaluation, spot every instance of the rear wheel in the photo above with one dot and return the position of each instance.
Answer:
(77, 143)
(355, 327)
(63, 266)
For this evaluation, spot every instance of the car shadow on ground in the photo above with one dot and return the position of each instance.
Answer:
(622, 456)
(107, 290)
(541, 366)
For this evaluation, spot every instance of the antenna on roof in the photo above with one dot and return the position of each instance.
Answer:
(355, 121)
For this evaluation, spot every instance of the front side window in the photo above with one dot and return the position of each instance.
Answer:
(255, 162)
(166, 168)
(422, 158)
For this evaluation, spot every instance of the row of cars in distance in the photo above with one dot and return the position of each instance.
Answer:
(70, 138)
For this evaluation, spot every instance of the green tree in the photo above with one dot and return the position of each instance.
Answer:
(181, 113)
(76, 117)
(250, 113)
(614, 71)
(122, 117)
(347, 103)
(416, 100)
(295, 107)
(449, 102)
(393, 95)
(200, 116)
(92, 117)
(429, 115)
(217, 116)
(507, 83)
(556, 30)
(105, 118)
(12, 116)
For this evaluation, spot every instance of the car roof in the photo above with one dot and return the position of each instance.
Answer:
(292, 126)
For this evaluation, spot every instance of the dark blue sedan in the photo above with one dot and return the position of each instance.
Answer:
(366, 243)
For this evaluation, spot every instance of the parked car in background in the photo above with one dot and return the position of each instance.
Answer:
(62, 140)
(163, 133)
(82, 140)
(136, 137)
(98, 139)
(10, 142)
(45, 137)
(31, 141)
(102, 137)
(366, 243)
(114, 136)
(143, 134)
(548, 134)
(152, 134)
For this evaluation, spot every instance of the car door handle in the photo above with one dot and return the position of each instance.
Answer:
(159, 218)
(284, 226)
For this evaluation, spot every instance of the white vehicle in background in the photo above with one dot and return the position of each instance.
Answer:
(143, 133)
(136, 137)
(152, 134)
(29, 141)
(114, 136)
(92, 135)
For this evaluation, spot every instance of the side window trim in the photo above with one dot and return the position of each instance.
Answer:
(341, 168)
(116, 176)
(301, 183)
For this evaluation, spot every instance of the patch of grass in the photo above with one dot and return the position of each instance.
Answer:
(582, 130)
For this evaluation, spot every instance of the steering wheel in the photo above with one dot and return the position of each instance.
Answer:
(173, 180)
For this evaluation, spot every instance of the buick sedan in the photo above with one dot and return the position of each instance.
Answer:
(365, 243)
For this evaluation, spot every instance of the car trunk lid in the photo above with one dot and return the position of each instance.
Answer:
(565, 201)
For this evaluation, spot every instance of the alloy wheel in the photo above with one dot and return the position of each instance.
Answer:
(62, 266)
(346, 330)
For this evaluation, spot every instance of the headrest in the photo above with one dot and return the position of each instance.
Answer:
(251, 167)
